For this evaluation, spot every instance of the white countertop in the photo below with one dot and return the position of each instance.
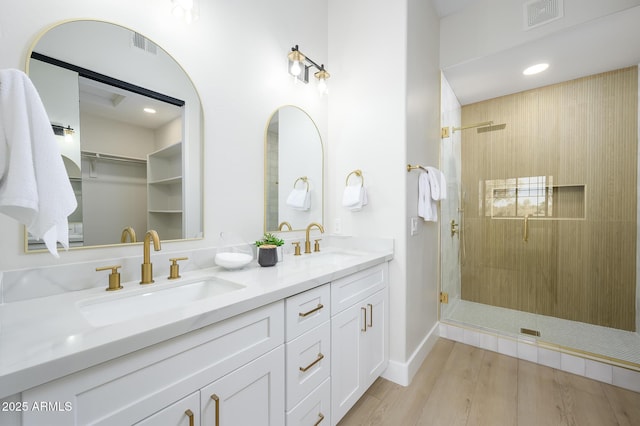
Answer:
(47, 338)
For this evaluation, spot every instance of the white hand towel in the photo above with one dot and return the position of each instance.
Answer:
(438, 184)
(299, 199)
(355, 197)
(432, 187)
(34, 186)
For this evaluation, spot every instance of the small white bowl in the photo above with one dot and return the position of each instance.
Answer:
(233, 260)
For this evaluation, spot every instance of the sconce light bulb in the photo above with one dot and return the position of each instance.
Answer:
(68, 138)
(296, 69)
(322, 86)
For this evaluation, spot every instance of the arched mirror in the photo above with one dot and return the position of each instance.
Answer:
(129, 125)
(293, 171)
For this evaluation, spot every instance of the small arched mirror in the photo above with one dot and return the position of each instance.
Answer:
(130, 128)
(294, 167)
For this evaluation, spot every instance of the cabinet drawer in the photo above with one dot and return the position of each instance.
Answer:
(308, 362)
(130, 388)
(355, 287)
(315, 409)
(185, 412)
(307, 310)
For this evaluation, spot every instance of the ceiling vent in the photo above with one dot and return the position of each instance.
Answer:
(141, 42)
(541, 12)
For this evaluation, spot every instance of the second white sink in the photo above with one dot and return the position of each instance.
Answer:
(116, 308)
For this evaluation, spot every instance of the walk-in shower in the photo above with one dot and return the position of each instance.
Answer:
(544, 187)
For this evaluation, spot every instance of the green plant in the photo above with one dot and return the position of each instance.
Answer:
(269, 238)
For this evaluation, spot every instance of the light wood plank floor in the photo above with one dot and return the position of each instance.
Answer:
(463, 385)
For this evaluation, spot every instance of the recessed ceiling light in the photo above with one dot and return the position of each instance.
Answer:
(150, 110)
(535, 69)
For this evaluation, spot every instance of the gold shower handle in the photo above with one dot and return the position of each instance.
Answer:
(455, 228)
(525, 228)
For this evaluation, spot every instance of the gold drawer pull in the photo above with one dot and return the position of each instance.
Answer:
(370, 315)
(320, 356)
(319, 420)
(365, 319)
(316, 309)
(189, 414)
(217, 413)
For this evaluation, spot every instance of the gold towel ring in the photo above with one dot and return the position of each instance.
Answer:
(357, 173)
(304, 179)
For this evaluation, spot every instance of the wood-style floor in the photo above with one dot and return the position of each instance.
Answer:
(463, 385)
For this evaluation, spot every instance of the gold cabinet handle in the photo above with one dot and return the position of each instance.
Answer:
(320, 419)
(370, 315)
(303, 369)
(189, 414)
(316, 309)
(216, 399)
(365, 319)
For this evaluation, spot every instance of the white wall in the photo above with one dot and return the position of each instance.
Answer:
(236, 57)
(384, 110)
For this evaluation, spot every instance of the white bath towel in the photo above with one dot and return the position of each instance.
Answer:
(354, 197)
(432, 187)
(34, 186)
(299, 199)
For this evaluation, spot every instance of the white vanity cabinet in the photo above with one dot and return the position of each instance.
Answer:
(359, 335)
(308, 357)
(240, 359)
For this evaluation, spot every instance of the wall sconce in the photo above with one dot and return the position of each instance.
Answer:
(67, 132)
(185, 10)
(299, 65)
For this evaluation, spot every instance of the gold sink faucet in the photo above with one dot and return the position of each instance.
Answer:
(283, 224)
(307, 242)
(147, 267)
(128, 231)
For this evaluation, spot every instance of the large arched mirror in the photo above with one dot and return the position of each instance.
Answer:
(129, 125)
(293, 171)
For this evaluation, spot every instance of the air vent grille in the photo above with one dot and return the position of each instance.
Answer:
(540, 12)
(141, 42)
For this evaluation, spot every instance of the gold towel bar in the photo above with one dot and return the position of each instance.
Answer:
(358, 173)
(416, 166)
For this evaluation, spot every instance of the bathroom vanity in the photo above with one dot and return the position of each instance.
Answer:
(294, 344)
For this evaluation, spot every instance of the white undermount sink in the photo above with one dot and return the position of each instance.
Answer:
(111, 309)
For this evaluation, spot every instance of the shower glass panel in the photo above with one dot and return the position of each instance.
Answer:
(547, 207)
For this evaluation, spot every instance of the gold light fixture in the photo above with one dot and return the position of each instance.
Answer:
(67, 132)
(299, 65)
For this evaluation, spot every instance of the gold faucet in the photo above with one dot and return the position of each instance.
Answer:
(283, 224)
(307, 243)
(147, 267)
(130, 232)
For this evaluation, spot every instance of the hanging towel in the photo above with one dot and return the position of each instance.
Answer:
(34, 186)
(432, 187)
(299, 199)
(354, 197)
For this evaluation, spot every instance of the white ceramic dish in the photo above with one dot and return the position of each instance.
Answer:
(233, 260)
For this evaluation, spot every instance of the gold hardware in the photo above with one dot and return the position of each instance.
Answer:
(189, 414)
(306, 314)
(283, 224)
(297, 249)
(128, 231)
(316, 246)
(216, 400)
(147, 267)
(174, 268)
(444, 297)
(304, 179)
(414, 167)
(357, 173)
(114, 277)
(307, 243)
(454, 228)
(370, 315)
(317, 360)
(472, 126)
(529, 331)
(444, 133)
(525, 228)
(321, 418)
(365, 319)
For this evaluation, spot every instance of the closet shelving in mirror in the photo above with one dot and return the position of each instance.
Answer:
(165, 191)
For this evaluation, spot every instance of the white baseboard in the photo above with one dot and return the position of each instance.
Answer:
(402, 372)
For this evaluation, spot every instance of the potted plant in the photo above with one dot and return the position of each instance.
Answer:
(271, 239)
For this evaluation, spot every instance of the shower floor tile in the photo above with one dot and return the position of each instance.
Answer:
(604, 341)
